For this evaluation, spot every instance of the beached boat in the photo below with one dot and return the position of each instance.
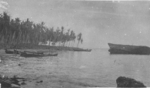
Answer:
(11, 51)
(34, 52)
(128, 49)
(27, 54)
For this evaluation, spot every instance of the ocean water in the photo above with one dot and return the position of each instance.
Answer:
(95, 68)
(100, 68)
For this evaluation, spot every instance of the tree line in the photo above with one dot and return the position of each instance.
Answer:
(16, 31)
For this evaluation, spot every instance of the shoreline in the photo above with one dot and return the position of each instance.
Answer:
(37, 76)
(32, 46)
(13, 65)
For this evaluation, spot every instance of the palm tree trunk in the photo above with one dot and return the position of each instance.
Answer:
(49, 46)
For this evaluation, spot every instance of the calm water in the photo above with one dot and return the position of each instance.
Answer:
(96, 68)
(99, 67)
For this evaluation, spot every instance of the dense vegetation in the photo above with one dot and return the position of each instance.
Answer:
(15, 32)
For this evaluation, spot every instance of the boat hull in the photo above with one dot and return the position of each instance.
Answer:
(23, 54)
(128, 49)
(11, 51)
(85, 50)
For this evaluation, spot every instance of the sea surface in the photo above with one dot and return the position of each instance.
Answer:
(101, 68)
(95, 68)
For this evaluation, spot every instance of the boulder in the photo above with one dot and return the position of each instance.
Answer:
(128, 82)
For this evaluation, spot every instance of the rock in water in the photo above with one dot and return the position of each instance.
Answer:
(128, 82)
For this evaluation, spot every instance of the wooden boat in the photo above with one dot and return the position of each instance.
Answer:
(11, 51)
(85, 50)
(128, 49)
(34, 52)
(26, 54)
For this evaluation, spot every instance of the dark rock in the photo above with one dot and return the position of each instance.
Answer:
(128, 82)
(5, 84)
(39, 81)
(23, 83)
(9, 82)
(14, 80)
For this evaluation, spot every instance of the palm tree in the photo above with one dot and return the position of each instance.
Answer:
(15, 31)
(72, 36)
(79, 38)
(61, 35)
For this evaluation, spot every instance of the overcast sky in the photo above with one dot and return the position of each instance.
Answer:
(123, 22)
